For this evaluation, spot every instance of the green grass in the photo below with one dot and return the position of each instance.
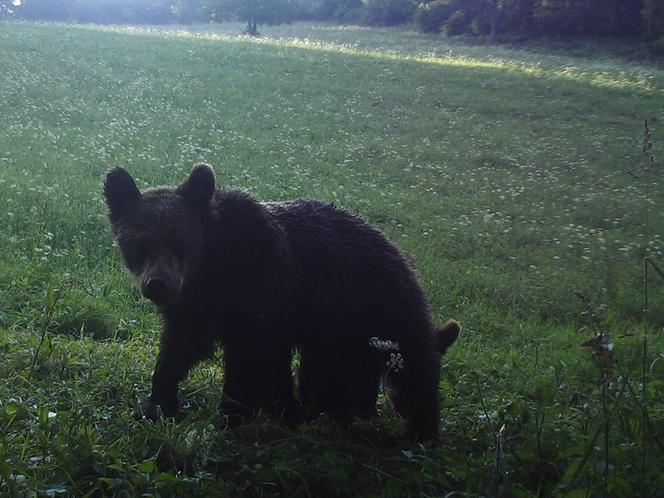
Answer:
(505, 174)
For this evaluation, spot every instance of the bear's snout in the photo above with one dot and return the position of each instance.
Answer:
(158, 290)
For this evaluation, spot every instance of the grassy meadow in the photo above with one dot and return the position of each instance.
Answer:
(515, 179)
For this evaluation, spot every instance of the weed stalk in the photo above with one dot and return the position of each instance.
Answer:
(498, 438)
(650, 163)
(52, 297)
(647, 151)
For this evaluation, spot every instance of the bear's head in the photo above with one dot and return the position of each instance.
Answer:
(160, 232)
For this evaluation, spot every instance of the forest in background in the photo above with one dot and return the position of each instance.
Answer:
(499, 20)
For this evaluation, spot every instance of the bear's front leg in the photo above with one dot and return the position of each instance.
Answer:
(177, 355)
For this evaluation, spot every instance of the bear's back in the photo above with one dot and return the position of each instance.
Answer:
(345, 270)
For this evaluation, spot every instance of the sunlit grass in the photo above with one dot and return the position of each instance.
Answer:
(606, 73)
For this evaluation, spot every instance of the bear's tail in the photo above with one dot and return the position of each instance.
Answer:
(447, 335)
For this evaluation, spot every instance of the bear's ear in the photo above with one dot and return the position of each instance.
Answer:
(447, 335)
(120, 191)
(199, 187)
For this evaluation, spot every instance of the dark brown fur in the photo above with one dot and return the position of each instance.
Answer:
(263, 279)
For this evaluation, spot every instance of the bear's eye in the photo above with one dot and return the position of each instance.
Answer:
(135, 252)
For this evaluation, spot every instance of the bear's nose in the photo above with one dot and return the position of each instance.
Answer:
(157, 290)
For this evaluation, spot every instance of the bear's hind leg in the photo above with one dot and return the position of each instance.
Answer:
(341, 382)
(321, 388)
(364, 377)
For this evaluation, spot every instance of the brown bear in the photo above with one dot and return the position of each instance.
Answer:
(265, 279)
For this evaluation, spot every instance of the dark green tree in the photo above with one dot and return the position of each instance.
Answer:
(589, 17)
(513, 17)
(337, 10)
(623, 17)
(53, 10)
(498, 19)
(186, 11)
(653, 19)
(431, 16)
(388, 12)
(254, 12)
(103, 11)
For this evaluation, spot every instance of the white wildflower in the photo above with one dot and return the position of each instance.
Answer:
(383, 344)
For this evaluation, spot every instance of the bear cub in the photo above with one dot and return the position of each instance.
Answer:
(263, 279)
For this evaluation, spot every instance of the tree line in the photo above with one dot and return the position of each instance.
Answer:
(493, 19)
